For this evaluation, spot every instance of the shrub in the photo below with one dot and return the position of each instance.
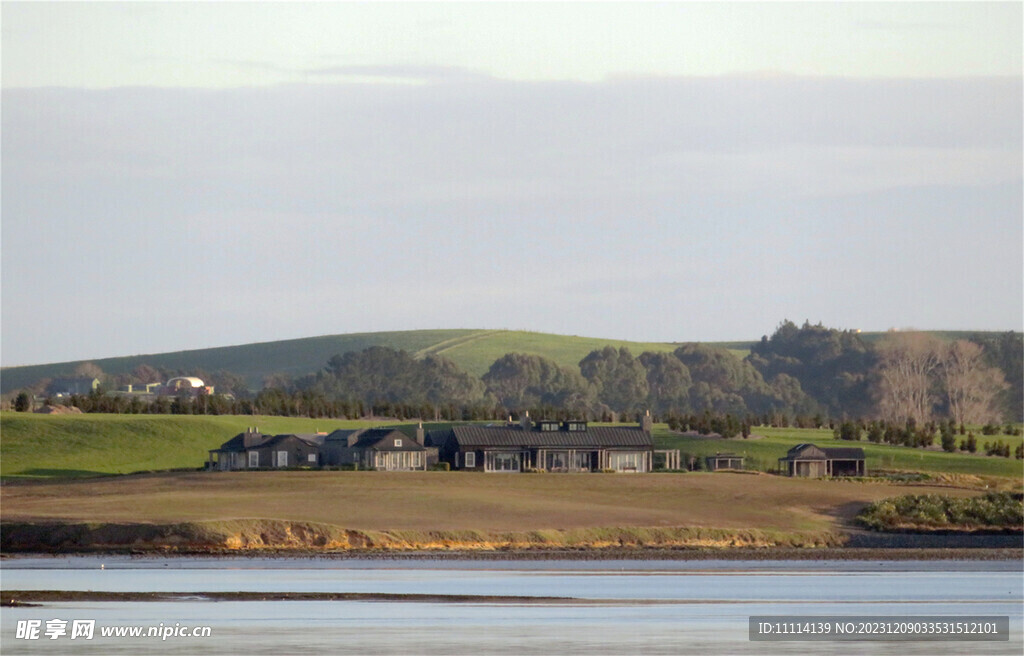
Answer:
(995, 510)
(441, 466)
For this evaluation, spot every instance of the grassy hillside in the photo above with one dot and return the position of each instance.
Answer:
(253, 361)
(472, 350)
(43, 446)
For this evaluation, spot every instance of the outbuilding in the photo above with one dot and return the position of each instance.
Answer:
(813, 461)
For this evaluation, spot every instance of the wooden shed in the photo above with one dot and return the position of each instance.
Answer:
(815, 462)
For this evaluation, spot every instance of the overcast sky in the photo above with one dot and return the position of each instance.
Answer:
(188, 175)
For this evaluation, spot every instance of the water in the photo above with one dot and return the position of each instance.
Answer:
(618, 607)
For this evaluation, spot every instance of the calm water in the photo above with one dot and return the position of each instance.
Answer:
(653, 607)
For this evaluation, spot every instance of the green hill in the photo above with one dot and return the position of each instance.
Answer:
(472, 350)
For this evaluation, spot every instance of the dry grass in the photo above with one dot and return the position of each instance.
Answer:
(435, 501)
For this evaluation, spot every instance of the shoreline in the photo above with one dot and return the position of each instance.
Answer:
(637, 554)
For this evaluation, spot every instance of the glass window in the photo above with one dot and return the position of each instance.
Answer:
(503, 462)
(470, 459)
(282, 458)
(398, 443)
(254, 458)
(312, 457)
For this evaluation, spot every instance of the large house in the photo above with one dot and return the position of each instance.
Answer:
(254, 450)
(384, 449)
(569, 446)
(814, 461)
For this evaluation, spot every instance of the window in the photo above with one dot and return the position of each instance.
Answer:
(312, 457)
(471, 459)
(627, 461)
(398, 443)
(282, 458)
(254, 458)
(502, 462)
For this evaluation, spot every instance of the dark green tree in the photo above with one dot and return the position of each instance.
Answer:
(668, 383)
(22, 402)
(520, 381)
(619, 378)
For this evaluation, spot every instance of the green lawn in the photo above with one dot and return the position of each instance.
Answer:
(46, 446)
(763, 454)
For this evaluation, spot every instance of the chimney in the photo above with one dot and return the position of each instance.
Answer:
(251, 437)
(420, 435)
(646, 423)
(525, 421)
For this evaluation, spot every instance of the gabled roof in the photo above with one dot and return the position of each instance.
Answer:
(516, 437)
(807, 452)
(813, 452)
(312, 439)
(237, 443)
(844, 453)
(382, 439)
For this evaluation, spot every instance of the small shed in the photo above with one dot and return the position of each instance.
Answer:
(813, 461)
(723, 461)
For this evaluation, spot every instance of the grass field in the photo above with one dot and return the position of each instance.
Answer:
(47, 446)
(61, 446)
(763, 453)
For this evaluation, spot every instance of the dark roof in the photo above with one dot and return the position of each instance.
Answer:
(342, 434)
(515, 436)
(844, 453)
(237, 443)
(806, 452)
(382, 440)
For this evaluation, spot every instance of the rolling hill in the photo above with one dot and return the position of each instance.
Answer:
(472, 350)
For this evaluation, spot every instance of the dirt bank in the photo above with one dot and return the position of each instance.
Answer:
(262, 536)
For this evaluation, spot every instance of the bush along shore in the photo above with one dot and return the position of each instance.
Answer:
(995, 512)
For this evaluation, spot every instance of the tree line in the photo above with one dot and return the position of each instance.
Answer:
(797, 376)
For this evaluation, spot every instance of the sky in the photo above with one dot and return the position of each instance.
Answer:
(186, 175)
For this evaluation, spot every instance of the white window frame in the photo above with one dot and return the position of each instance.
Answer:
(398, 443)
(470, 459)
(311, 458)
(282, 458)
(254, 459)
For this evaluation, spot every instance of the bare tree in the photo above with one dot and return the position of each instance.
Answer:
(907, 366)
(972, 387)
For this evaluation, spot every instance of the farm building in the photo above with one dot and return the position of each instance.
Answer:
(813, 461)
(570, 446)
(723, 461)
